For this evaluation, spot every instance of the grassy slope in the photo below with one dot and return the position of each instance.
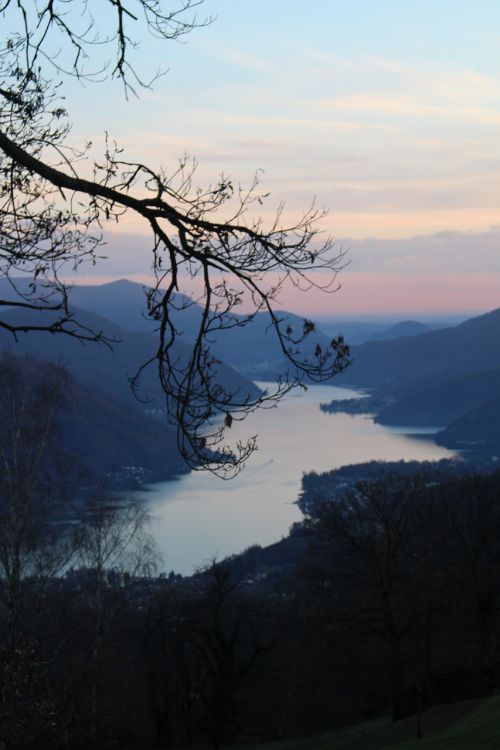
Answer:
(463, 726)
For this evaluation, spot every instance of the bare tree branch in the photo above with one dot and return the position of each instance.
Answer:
(53, 214)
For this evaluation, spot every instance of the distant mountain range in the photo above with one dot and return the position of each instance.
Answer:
(400, 330)
(471, 347)
(107, 367)
(373, 328)
(449, 378)
(253, 350)
(420, 376)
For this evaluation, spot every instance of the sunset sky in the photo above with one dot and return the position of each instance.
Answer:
(387, 111)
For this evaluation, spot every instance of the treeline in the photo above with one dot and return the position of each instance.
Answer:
(406, 571)
(392, 603)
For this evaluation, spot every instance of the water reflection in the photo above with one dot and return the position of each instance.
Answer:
(200, 516)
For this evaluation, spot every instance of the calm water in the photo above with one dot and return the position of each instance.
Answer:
(199, 516)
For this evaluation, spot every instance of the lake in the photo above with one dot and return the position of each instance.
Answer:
(199, 516)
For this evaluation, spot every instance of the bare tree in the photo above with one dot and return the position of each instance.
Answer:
(33, 484)
(113, 545)
(221, 626)
(365, 558)
(33, 477)
(53, 215)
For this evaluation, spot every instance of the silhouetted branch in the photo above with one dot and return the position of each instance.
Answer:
(55, 200)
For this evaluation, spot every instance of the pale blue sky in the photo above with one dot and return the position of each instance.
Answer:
(387, 111)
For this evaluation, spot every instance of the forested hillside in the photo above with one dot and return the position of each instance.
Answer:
(111, 424)
(471, 347)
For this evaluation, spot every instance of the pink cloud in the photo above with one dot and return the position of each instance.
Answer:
(444, 272)
(366, 293)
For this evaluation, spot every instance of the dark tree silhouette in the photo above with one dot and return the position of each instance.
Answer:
(53, 213)
(34, 477)
(364, 554)
(221, 626)
(33, 485)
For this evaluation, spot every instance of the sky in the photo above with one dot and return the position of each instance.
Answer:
(387, 112)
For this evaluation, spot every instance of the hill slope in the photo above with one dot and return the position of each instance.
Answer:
(97, 434)
(400, 330)
(252, 349)
(116, 438)
(439, 403)
(471, 347)
(105, 367)
(449, 377)
(478, 429)
(109, 426)
(461, 726)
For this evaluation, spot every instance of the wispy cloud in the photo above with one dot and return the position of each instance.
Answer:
(448, 271)
(242, 59)
(411, 107)
(392, 141)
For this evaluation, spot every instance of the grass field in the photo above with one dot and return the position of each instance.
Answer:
(469, 725)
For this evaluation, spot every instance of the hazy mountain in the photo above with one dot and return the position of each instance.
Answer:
(439, 403)
(108, 426)
(107, 367)
(375, 326)
(435, 356)
(400, 330)
(124, 303)
(255, 349)
(252, 349)
(106, 435)
(354, 331)
(446, 377)
(478, 429)
(113, 437)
